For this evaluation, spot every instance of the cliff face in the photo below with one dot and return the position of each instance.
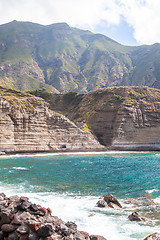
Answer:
(26, 124)
(125, 118)
(139, 127)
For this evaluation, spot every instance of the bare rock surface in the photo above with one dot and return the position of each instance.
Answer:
(109, 201)
(27, 125)
(135, 216)
(122, 118)
(24, 224)
(153, 236)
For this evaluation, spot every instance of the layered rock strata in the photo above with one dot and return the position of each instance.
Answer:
(122, 118)
(27, 124)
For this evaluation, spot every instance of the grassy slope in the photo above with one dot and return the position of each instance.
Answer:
(70, 59)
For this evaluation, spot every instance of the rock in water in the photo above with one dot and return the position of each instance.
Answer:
(109, 201)
(109, 198)
(153, 236)
(135, 216)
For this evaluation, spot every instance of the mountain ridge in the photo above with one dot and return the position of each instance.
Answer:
(70, 59)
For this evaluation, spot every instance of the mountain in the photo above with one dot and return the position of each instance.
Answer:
(121, 118)
(59, 57)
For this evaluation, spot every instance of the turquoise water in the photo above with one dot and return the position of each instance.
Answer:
(72, 184)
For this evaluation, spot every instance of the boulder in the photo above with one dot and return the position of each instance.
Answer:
(14, 198)
(1, 235)
(79, 236)
(135, 216)
(153, 236)
(23, 229)
(22, 217)
(23, 237)
(97, 237)
(109, 201)
(72, 226)
(33, 208)
(8, 228)
(109, 198)
(45, 231)
(13, 236)
(4, 217)
(33, 236)
(102, 203)
(24, 205)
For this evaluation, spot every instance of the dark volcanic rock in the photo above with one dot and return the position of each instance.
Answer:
(135, 216)
(109, 201)
(109, 198)
(24, 205)
(72, 226)
(79, 236)
(1, 235)
(13, 236)
(33, 207)
(8, 228)
(4, 217)
(153, 236)
(23, 220)
(33, 236)
(97, 237)
(23, 229)
(45, 231)
(102, 204)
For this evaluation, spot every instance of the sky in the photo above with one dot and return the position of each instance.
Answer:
(129, 22)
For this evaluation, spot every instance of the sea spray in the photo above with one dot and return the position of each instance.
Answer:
(71, 186)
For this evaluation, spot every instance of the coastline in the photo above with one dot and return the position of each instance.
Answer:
(54, 189)
(69, 153)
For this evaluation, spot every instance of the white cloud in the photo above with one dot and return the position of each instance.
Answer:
(142, 15)
(74, 12)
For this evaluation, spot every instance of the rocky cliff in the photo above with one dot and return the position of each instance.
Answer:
(26, 124)
(125, 118)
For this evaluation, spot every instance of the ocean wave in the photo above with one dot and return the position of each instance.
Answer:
(110, 223)
(21, 168)
(152, 190)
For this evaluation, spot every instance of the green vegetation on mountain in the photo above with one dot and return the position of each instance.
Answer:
(59, 57)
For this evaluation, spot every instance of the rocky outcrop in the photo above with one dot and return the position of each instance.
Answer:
(135, 216)
(153, 236)
(27, 124)
(21, 219)
(109, 201)
(122, 118)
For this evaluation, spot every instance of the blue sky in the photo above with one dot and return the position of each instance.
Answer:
(130, 22)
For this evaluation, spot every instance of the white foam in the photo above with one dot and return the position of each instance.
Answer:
(152, 190)
(21, 168)
(110, 223)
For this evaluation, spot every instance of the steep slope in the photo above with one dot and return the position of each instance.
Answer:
(27, 125)
(125, 118)
(70, 59)
(17, 65)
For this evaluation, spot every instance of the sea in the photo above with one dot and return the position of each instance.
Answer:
(72, 183)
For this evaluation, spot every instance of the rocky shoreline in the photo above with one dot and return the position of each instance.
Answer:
(21, 219)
